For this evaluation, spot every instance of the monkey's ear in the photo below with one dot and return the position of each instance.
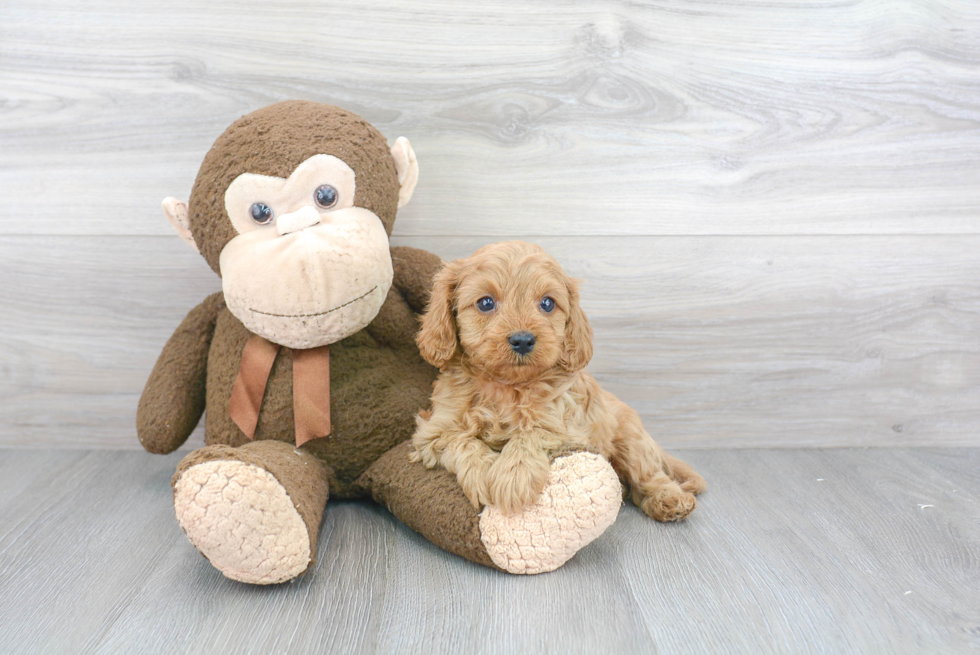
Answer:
(408, 169)
(176, 212)
(437, 339)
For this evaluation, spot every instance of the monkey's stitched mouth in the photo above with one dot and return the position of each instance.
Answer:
(349, 302)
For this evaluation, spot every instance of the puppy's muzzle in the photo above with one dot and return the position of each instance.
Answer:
(521, 342)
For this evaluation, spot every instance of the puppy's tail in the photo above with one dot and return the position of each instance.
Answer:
(684, 475)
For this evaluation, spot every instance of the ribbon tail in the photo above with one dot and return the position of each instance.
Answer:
(311, 393)
(253, 375)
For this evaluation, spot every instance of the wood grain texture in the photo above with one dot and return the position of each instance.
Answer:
(774, 206)
(542, 118)
(716, 341)
(796, 551)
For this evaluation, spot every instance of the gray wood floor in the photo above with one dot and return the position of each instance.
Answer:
(790, 551)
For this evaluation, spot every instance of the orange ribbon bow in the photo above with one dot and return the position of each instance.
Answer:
(311, 388)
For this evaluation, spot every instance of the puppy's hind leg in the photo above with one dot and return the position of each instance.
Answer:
(644, 465)
(662, 499)
(684, 475)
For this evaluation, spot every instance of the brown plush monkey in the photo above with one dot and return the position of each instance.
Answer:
(306, 361)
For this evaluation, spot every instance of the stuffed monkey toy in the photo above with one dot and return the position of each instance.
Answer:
(307, 365)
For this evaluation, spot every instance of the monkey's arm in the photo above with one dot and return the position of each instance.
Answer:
(414, 270)
(397, 321)
(173, 398)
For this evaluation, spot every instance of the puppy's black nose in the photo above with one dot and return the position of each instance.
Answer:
(522, 342)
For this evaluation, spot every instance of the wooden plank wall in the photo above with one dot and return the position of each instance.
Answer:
(775, 207)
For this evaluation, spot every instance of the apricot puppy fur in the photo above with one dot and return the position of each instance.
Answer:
(505, 329)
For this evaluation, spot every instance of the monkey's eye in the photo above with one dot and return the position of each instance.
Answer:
(261, 213)
(325, 196)
(547, 305)
(485, 304)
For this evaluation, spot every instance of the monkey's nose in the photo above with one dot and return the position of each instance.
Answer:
(521, 342)
(297, 220)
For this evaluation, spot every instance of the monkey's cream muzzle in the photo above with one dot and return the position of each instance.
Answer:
(311, 279)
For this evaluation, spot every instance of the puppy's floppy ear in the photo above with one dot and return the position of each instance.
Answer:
(437, 339)
(577, 349)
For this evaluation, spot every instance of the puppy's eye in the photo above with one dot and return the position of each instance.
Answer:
(325, 196)
(261, 213)
(547, 305)
(485, 304)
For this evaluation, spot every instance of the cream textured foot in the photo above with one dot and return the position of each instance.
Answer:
(241, 518)
(581, 500)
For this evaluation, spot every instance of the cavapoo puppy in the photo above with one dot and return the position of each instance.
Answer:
(506, 330)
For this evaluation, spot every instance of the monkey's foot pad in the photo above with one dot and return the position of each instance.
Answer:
(241, 518)
(582, 499)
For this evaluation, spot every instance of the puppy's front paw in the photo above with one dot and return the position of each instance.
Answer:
(473, 481)
(426, 454)
(515, 482)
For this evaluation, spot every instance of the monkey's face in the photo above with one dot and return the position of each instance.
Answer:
(306, 268)
(292, 207)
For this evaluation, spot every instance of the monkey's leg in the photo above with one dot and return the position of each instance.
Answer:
(582, 499)
(253, 511)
